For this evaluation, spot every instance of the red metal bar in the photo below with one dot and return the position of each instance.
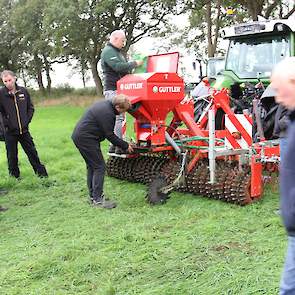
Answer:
(193, 162)
(256, 178)
(233, 118)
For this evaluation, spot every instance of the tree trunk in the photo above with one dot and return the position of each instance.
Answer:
(49, 82)
(83, 78)
(38, 69)
(96, 78)
(40, 81)
(23, 76)
(217, 25)
(255, 8)
(210, 47)
(83, 71)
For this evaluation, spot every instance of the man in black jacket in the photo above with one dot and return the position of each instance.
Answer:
(2, 129)
(17, 111)
(2, 191)
(283, 82)
(96, 125)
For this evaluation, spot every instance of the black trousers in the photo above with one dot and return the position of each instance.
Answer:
(92, 155)
(27, 143)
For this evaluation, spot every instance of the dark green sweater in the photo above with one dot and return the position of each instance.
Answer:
(114, 66)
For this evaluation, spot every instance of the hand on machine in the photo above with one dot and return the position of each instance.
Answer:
(130, 148)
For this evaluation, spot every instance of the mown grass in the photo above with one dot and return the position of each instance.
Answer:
(53, 242)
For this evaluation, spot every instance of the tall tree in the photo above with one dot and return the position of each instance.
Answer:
(10, 47)
(81, 27)
(27, 18)
(263, 8)
(206, 17)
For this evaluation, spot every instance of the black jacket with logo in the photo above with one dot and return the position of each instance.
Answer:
(17, 110)
(97, 124)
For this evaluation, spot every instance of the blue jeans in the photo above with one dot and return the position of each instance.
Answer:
(288, 278)
(283, 147)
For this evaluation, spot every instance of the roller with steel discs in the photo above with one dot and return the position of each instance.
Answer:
(232, 184)
(138, 169)
(237, 187)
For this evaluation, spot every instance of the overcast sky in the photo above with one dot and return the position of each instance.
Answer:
(64, 74)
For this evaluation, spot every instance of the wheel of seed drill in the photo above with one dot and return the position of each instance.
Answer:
(127, 169)
(216, 190)
(238, 187)
(225, 171)
(194, 177)
(156, 168)
(112, 166)
(203, 181)
(148, 168)
(230, 185)
(170, 170)
(133, 169)
(154, 195)
(244, 191)
(140, 168)
(109, 165)
(121, 166)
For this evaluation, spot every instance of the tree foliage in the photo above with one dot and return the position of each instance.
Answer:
(80, 28)
(35, 34)
(10, 50)
(207, 17)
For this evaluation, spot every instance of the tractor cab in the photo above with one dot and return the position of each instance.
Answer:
(254, 49)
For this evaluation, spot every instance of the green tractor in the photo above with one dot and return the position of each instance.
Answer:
(254, 49)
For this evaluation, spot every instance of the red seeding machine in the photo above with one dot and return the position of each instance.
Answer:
(212, 156)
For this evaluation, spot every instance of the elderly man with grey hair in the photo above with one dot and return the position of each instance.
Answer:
(115, 66)
(283, 82)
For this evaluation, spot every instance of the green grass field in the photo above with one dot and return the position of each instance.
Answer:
(53, 242)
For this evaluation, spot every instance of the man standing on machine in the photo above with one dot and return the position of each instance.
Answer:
(115, 66)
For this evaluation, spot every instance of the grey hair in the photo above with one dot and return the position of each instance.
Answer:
(7, 73)
(285, 69)
(116, 34)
